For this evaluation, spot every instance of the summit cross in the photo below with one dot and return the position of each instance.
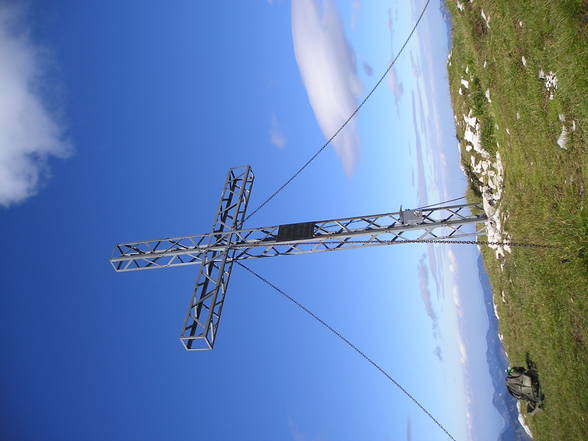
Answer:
(228, 241)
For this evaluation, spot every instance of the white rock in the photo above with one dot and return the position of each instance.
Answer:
(518, 116)
(524, 61)
(487, 94)
(485, 17)
(459, 5)
(541, 74)
(465, 83)
(562, 141)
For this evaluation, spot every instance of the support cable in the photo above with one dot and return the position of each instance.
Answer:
(357, 109)
(351, 345)
(411, 241)
(440, 203)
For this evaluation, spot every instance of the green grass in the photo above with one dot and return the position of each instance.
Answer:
(546, 290)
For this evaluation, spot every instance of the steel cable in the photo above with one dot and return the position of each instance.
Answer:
(351, 345)
(357, 109)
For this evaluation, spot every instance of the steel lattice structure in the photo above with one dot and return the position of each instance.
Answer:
(229, 241)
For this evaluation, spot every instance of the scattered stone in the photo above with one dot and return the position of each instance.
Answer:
(541, 74)
(524, 61)
(486, 18)
(518, 116)
(487, 94)
(465, 83)
(562, 141)
(496, 312)
(459, 5)
(550, 82)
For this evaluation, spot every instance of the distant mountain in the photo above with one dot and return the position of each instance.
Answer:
(497, 363)
(447, 19)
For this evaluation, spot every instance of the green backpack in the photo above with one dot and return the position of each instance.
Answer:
(523, 384)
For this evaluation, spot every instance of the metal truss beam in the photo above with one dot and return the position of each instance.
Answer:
(439, 223)
(205, 308)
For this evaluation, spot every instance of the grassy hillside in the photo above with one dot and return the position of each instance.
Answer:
(501, 49)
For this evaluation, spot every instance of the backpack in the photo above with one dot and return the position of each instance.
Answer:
(520, 385)
(523, 384)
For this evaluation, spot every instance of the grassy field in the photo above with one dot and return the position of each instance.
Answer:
(541, 294)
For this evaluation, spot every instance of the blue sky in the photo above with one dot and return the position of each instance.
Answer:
(118, 122)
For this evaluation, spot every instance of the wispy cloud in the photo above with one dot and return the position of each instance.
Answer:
(408, 430)
(355, 7)
(438, 353)
(423, 274)
(452, 265)
(393, 83)
(29, 132)
(328, 68)
(456, 299)
(395, 86)
(463, 354)
(277, 137)
(369, 70)
(297, 434)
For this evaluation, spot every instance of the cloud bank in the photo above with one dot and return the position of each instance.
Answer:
(328, 68)
(277, 137)
(29, 132)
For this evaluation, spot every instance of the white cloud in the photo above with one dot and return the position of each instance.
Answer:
(452, 266)
(277, 137)
(355, 6)
(395, 86)
(463, 354)
(328, 69)
(369, 70)
(456, 299)
(29, 132)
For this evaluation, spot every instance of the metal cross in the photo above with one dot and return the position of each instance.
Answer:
(228, 241)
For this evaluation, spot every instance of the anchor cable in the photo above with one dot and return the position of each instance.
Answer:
(348, 343)
(440, 203)
(337, 244)
(349, 118)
